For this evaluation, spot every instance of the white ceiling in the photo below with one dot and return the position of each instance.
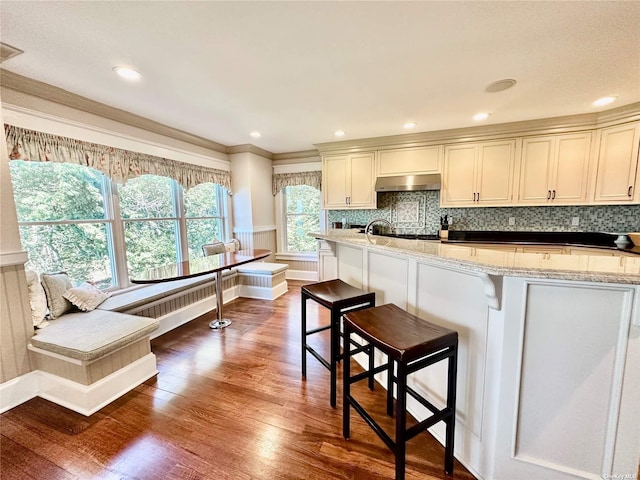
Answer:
(298, 71)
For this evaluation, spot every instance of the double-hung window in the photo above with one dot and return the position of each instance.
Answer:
(62, 220)
(73, 218)
(301, 217)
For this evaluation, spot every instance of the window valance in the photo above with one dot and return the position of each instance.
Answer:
(281, 180)
(120, 165)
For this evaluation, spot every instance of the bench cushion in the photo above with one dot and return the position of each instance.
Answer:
(262, 268)
(90, 335)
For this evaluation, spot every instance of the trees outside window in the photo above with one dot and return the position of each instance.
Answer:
(69, 221)
(302, 214)
(62, 220)
(203, 204)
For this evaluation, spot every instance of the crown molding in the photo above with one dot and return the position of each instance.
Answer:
(304, 154)
(249, 148)
(35, 88)
(554, 125)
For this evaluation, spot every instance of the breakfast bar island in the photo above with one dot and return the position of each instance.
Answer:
(549, 355)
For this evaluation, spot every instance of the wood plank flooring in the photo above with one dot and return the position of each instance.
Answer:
(225, 405)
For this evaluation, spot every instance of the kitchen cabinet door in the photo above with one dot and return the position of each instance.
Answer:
(535, 169)
(617, 167)
(570, 173)
(348, 181)
(458, 182)
(335, 181)
(362, 181)
(494, 183)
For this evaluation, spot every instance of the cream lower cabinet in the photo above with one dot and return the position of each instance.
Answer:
(348, 181)
(554, 170)
(478, 174)
(617, 174)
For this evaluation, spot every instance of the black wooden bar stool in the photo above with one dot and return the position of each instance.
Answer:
(339, 297)
(412, 344)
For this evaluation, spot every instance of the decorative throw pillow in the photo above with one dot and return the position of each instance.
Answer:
(213, 248)
(232, 245)
(55, 284)
(37, 298)
(86, 297)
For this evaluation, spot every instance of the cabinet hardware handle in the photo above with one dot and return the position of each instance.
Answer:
(630, 190)
(549, 195)
(474, 196)
(553, 197)
(478, 197)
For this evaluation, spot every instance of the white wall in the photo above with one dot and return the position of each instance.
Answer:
(253, 207)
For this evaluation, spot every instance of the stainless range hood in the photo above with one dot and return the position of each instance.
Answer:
(408, 183)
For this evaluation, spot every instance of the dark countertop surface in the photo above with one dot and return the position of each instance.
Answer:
(578, 239)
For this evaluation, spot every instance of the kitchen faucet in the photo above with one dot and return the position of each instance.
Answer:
(369, 227)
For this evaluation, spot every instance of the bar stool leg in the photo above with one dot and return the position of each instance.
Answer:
(372, 365)
(401, 420)
(335, 352)
(346, 384)
(389, 386)
(451, 405)
(304, 333)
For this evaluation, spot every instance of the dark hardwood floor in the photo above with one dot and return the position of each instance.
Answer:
(225, 405)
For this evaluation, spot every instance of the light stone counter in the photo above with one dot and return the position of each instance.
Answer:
(583, 267)
(548, 383)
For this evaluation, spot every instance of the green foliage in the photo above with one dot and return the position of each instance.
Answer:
(200, 232)
(147, 196)
(47, 194)
(56, 191)
(61, 192)
(201, 201)
(303, 217)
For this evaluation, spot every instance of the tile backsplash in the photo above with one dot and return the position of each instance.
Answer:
(420, 212)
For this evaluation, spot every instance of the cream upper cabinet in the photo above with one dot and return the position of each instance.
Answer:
(478, 174)
(348, 181)
(617, 169)
(555, 169)
(409, 161)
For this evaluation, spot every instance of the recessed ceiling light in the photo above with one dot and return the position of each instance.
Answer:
(339, 133)
(410, 125)
(255, 134)
(500, 85)
(127, 73)
(604, 101)
(478, 117)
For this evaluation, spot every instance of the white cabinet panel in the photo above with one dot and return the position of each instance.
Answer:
(348, 181)
(617, 169)
(409, 161)
(388, 277)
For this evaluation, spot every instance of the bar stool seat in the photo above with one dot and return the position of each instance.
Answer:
(339, 297)
(410, 344)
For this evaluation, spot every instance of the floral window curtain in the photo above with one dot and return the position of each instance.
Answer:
(120, 165)
(281, 180)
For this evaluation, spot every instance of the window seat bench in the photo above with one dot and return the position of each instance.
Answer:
(88, 359)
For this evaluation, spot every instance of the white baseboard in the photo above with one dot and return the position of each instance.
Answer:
(305, 275)
(84, 399)
(263, 293)
(18, 390)
(88, 399)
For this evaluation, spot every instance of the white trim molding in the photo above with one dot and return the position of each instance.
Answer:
(298, 167)
(13, 258)
(264, 228)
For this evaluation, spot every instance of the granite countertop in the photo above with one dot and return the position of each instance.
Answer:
(593, 268)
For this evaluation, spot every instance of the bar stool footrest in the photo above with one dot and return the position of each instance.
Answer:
(373, 424)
